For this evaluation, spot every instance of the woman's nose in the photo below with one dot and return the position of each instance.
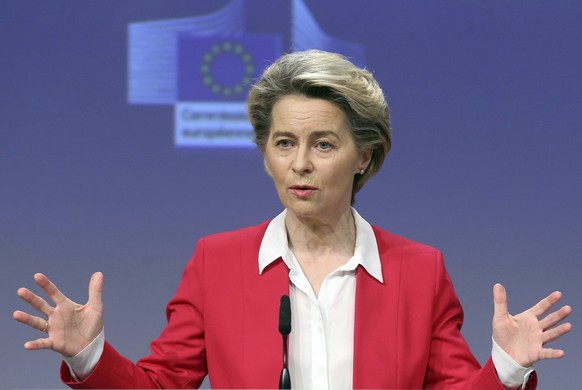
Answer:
(302, 162)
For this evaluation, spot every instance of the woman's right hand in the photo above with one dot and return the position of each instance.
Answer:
(71, 326)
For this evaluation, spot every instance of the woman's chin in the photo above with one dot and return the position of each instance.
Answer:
(304, 211)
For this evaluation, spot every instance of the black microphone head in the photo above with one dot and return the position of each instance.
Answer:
(285, 315)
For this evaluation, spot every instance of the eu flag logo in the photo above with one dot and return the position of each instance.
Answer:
(222, 68)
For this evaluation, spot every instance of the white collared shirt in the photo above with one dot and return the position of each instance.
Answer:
(321, 344)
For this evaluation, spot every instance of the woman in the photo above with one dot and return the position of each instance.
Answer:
(370, 309)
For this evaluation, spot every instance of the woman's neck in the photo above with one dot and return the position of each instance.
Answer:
(316, 236)
(321, 247)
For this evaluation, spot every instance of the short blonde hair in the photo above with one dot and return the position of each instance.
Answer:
(328, 76)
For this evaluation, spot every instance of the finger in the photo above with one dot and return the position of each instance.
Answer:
(35, 301)
(50, 288)
(44, 343)
(555, 317)
(35, 322)
(555, 333)
(550, 353)
(96, 289)
(499, 301)
(546, 304)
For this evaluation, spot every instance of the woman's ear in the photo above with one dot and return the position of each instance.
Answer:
(366, 158)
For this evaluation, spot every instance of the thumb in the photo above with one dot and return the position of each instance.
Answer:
(499, 301)
(96, 288)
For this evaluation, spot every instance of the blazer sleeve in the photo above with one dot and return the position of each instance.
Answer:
(178, 356)
(451, 364)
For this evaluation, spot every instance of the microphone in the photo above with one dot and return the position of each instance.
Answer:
(285, 329)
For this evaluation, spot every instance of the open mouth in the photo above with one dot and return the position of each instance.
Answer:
(302, 191)
(302, 188)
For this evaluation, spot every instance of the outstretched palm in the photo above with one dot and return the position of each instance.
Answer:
(525, 335)
(71, 326)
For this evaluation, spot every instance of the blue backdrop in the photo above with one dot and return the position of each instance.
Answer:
(486, 164)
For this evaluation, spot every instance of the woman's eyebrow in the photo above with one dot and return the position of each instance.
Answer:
(282, 133)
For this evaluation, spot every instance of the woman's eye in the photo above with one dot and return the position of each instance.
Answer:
(284, 143)
(324, 145)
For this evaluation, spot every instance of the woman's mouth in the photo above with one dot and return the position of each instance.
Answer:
(302, 191)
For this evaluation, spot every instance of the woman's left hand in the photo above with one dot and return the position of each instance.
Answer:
(525, 335)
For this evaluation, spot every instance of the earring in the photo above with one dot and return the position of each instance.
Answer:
(361, 171)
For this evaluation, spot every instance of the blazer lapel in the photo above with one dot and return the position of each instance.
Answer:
(376, 361)
(263, 345)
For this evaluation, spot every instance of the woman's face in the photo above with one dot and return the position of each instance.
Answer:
(312, 157)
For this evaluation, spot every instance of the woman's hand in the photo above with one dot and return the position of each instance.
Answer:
(70, 327)
(525, 335)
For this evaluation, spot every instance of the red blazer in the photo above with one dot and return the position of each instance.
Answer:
(223, 321)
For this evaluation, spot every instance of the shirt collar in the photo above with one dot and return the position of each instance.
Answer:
(275, 245)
